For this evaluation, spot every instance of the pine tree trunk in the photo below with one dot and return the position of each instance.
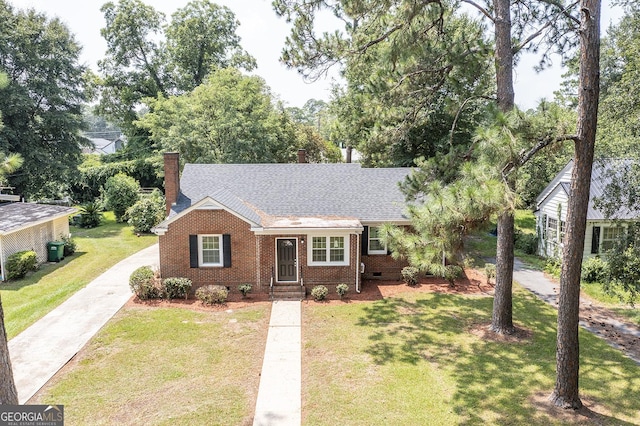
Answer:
(502, 316)
(565, 393)
(8, 393)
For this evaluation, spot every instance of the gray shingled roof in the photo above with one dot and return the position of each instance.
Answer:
(305, 190)
(14, 216)
(599, 180)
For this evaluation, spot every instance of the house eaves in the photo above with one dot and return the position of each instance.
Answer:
(15, 217)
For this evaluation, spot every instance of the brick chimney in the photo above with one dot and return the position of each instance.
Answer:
(349, 151)
(302, 156)
(171, 178)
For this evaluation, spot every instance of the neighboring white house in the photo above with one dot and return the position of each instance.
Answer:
(551, 216)
(30, 226)
(104, 146)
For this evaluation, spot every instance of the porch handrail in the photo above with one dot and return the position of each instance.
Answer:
(271, 284)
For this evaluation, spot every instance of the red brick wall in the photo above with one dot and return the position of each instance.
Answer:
(174, 249)
(312, 275)
(249, 254)
(171, 178)
(382, 267)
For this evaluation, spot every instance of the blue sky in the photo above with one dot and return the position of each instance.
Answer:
(263, 35)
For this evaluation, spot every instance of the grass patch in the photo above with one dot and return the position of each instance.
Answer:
(27, 300)
(525, 221)
(414, 360)
(596, 292)
(166, 366)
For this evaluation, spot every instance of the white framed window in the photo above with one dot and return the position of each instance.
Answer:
(210, 250)
(552, 229)
(329, 250)
(376, 246)
(611, 235)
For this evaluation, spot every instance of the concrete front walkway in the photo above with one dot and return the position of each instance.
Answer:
(279, 395)
(42, 349)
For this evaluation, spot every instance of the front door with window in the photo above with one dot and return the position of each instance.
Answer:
(287, 253)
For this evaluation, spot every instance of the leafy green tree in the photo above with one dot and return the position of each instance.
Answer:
(231, 118)
(318, 150)
(41, 105)
(145, 58)
(201, 38)
(121, 192)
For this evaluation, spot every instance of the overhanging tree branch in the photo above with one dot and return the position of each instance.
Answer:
(482, 10)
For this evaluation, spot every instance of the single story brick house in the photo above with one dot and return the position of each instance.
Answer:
(279, 227)
(551, 215)
(30, 226)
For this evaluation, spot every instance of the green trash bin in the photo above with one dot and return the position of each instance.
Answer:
(55, 250)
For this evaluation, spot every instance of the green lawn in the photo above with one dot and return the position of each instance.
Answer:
(414, 360)
(27, 300)
(166, 366)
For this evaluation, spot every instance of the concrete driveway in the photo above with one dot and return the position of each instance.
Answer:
(42, 349)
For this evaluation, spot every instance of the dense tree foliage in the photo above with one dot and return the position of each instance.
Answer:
(41, 105)
(231, 118)
(146, 58)
(120, 193)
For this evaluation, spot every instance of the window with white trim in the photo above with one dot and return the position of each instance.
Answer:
(611, 235)
(552, 229)
(376, 246)
(210, 250)
(329, 250)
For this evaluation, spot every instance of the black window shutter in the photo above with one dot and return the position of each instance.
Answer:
(364, 247)
(226, 250)
(595, 240)
(193, 251)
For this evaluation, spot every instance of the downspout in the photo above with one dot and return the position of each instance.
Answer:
(258, 259)
(358, 261)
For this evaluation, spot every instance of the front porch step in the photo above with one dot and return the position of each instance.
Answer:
(288, 292)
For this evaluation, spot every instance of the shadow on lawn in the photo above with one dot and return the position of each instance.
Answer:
(493, 378)
(42, 271)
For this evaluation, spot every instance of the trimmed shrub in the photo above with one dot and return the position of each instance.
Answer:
(451, 272)
(69, 245)
(410, 275)
(18, 264)
(244, 289)
(143, 282)
(176, 288)
(594, 270)
(527, 243)
(121, 192)
(146, 212)
(319, 292)
(342, 289)
(212, 294)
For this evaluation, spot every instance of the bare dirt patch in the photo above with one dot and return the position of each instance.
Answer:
(520, 335)
(472, 282)
(234, 301)
(592, 413)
